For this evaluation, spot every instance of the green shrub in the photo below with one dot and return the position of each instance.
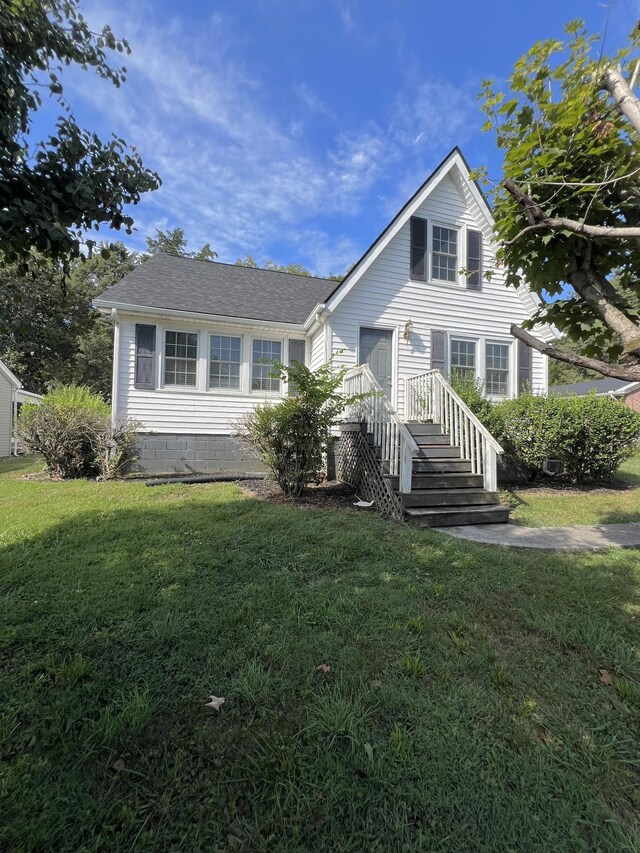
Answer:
(73, 430)
(291, 436)
(591, 435)
(471, 392)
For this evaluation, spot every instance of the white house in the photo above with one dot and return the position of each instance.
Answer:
(192, 337)
(12, 395)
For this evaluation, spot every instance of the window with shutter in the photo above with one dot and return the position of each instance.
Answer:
(474, 259)
(145, 366)
(418, 268)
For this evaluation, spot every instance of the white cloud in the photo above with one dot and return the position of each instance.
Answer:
(234, 173)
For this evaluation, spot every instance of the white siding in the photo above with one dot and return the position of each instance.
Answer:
(193, 411)
(386, 297)
(6, 416)
(317, 356)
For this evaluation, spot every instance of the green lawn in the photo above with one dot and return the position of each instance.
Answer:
(463, 709)
(543, 507)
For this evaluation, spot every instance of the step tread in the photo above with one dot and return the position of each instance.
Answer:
(416, 512)
(457, 490)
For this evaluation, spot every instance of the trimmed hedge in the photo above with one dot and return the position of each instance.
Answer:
(590, 435)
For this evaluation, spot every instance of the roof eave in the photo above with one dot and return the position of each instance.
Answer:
(221, 319)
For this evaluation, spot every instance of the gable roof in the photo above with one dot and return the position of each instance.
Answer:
(454, 164)
(180, 284)
(600, 386)
(12, 378)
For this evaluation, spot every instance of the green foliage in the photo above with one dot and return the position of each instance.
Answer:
(591, 435)
(48, 330)
(73, 430)
(568, 146)
(174, 242)
(292, 435)
(562, 373)
(471, 392)
(54, 190)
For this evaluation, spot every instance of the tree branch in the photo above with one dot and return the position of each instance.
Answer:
(613, 370)
(540, 221)
(628, 103)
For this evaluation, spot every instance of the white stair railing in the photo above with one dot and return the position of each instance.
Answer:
(389, 433)
(430, 398)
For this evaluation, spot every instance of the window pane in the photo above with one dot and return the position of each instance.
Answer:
(180, 358)
(444, 257)
(463, 359)
(224, 361)
(497, 370)
(263, 355)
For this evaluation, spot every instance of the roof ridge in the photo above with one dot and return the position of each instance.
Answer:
(242, 266)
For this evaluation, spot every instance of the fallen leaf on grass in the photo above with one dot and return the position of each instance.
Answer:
(32, 742)
(215, 702)
(118, 765)
(369, 750)
(605, 677)
(324, 667)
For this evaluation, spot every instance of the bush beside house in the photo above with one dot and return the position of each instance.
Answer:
(73, 430)
(592, 436)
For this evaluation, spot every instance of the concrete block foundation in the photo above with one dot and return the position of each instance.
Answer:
(177, 453)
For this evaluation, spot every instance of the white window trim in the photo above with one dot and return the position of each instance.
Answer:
(511, 389)
(284, 354)
(452, 226)
(481, 357)
(181, 389)
(225, 391)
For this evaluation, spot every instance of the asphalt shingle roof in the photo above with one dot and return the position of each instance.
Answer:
(208, 287)
(600, 386)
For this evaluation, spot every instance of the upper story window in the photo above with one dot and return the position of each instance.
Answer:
(225, 355)
(497, 370)
(463, 360)
(263, 355)
(444, 253)
(180, 358)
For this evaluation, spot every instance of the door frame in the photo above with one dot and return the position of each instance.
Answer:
(380, 327)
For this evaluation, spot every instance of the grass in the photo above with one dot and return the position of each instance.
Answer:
(463, 709)
(544, 507)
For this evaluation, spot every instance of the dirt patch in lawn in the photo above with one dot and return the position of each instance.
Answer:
(324, 496)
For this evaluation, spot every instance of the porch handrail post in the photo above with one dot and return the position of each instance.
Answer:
(406, 467)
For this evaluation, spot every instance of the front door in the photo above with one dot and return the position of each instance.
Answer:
(376, 350)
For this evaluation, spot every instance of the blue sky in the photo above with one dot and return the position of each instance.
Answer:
(293, 130)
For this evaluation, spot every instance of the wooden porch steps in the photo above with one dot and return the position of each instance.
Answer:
(444, 490)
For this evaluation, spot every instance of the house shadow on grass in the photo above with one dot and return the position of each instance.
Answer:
(122, 621)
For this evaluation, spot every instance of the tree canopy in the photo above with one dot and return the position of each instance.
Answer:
(174, 242)
(293, 269)
(55, 190)
(567, 209)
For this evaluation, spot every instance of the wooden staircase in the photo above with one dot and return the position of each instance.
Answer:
(444, 492)
(440, 464)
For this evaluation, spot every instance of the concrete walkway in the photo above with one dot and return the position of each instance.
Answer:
(597, 537)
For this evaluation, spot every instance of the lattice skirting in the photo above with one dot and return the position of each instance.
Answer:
(357, 464)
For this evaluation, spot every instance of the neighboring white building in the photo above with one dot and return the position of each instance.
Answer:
(191, 337)
(12, 395)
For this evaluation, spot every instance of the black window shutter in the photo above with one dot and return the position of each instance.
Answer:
(418, 269)
(145, 369)
(438, 350)
(474, 259)
(524, 367)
